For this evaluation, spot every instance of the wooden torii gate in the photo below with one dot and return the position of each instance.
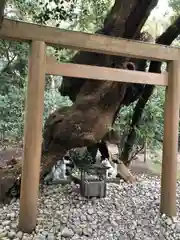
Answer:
(39, 65)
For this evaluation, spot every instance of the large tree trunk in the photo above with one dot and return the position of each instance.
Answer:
(95, 102)
(166, 38)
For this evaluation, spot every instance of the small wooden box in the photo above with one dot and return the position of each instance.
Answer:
(93, 188)
(94, 185)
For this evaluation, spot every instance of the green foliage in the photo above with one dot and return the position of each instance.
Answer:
(150, 127)
(53, 99)
(13, 73)
(82, 15)
(56, 11)
(92, 14)
(12, 110)
(153, 119)
(175, 5)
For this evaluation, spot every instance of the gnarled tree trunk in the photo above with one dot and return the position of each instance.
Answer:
(96, 103)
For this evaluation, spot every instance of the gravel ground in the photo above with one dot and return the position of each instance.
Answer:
(128, 212)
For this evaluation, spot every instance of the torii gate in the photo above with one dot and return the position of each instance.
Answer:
(39, 65)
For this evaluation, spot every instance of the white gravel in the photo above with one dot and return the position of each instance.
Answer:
(128, 212)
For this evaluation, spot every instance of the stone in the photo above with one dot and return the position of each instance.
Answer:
(67, 233)
(45, 233)
(114, 223)
(83, 217)
(40, 237)
(19, 235)
(59, 213)
(3, 234)
(89, 218)
(168, 221)
(87, 231)
(14, 225)
(128, 212)
(50, 236)
(90, 211)
(75, 237)
(78, 230)
(178, 226)
(11, 234)
(5, 223)
(7, 228)
(63, 220)
(25, 238)
(117, 205)
(11, 215)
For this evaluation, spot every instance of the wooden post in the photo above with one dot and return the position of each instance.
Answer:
(170, 143)
(32, 138)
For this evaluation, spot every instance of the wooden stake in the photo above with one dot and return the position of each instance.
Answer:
(170, 143)
(32, 138)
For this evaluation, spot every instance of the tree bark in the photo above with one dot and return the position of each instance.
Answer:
(97, 102)
(166, 38)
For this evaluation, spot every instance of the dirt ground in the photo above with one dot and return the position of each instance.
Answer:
(137, 166)
(152, 166)
(8, 154)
